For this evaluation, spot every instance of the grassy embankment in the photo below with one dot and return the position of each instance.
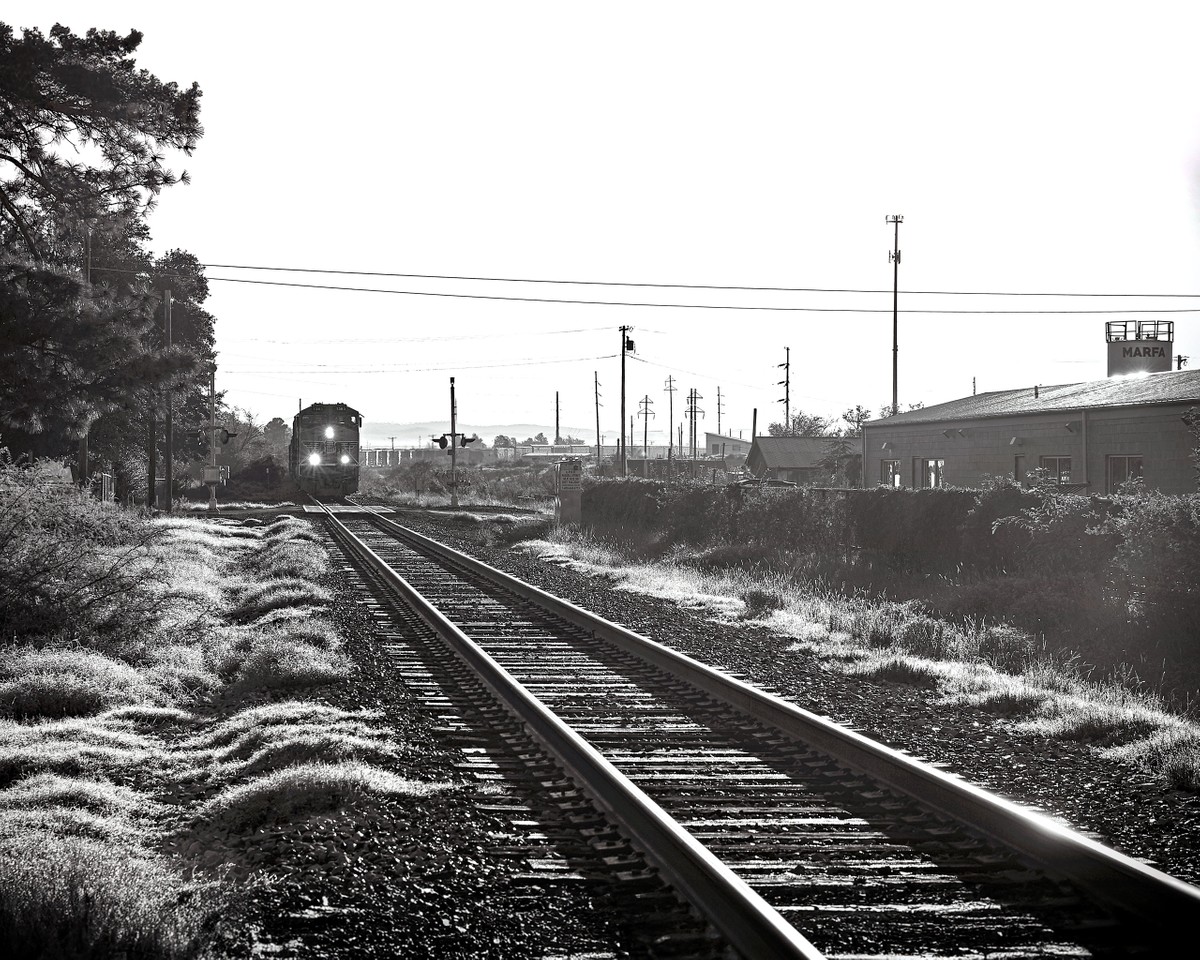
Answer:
(1079, 685)
(153, 719)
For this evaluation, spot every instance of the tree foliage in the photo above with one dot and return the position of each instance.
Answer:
(82, 134)
(83, 348)
(802, 425)
(67, 358)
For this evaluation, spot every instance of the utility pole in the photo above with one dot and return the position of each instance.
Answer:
(557, 433)
(453, 447)
(84, 467)
(599, 448)
(786, 382)
(645, 413)
(693, 411)
(212, 438)
(670, 387)
(894, 259)
(152, 458)
(170, 457)
(626, 344)
(720, 407)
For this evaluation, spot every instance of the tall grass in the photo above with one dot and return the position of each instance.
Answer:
(304, 790)
(125, 638)
(78, 897)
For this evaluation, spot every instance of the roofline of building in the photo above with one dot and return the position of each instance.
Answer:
(1027, 413)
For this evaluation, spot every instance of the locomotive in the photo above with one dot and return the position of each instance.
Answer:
(323, 455)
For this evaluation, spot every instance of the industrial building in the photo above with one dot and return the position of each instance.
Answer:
(1092, 436)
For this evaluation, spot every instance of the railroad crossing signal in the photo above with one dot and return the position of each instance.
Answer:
(446, 439)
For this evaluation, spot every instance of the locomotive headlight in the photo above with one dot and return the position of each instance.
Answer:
(345, 458)
(314, 459)
(329, 433)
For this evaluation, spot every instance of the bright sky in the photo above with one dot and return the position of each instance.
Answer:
(1030, 147)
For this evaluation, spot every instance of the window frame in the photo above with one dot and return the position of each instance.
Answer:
(921, 473)
(1043, 463)
(892, 478)
(1112, 458)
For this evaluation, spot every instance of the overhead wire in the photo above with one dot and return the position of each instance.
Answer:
(697, 306)
(682, 306)
(681, 286)
(325, 368)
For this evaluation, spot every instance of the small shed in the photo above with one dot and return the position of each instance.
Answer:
(789, 458)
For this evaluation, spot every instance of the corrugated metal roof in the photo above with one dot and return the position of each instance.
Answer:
(791, 452)
(1179, 386)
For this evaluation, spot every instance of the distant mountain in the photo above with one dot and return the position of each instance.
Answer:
(382, 434)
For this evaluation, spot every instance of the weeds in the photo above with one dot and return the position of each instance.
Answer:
(123, 634)
(70, 896)
(66, 682)
(301, 791)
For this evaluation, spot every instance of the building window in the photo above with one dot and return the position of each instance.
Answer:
(928, 474)
(1122, 469)
(889, 473)
(1057, 469)
(1019, 468)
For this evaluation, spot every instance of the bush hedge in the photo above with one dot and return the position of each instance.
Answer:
(1116, 576)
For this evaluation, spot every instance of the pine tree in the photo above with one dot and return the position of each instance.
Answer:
(82, 135)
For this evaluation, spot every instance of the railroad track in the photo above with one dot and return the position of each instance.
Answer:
(789, 835)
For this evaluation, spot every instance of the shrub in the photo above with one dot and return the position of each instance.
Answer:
(897, 669)
(760, 602)
(1005, 647)
(66, 562)
(622, 507)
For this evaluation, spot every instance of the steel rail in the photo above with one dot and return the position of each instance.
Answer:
(748, 923)
(1124, 885)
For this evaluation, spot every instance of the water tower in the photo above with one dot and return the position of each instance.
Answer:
(1139, 346)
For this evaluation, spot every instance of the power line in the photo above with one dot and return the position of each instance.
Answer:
(320, 368)
(678, 306)
(367, 340)
(679, 286)
(729, 306)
